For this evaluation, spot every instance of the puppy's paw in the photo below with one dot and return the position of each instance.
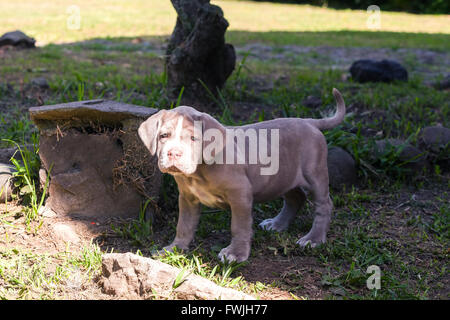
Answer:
(311, 241)
(273, 225)
(170, 248)
(230, 254)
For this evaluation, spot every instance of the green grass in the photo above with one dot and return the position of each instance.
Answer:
(26, 177)
(249, 21)
(219, 273)
(28, 275)
(139, 231)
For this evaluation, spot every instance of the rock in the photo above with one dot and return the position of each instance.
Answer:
(65, 233)
(40, 82)
(312, 102)
(6, 181)
(128, 275)
(108, 112)
(46, 212)
(7, 153)
(435, 139)
(99, 85)
(96, 162)
(444, 84)
(341, 168)
(17, 39)
(378, 71)
(417, 157)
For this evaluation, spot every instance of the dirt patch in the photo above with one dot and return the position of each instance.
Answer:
(298, 275)
(397, 219)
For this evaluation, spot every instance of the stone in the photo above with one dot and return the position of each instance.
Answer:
(104, 111)
(418, 160)
(7, 153)
(6, 181)
(435, 139)
(312, 102)
(131, 276)
(65, 233)
(40, 82)
(46, 212)
(17, 39)
(443, 84)
(378, 71)
(341, 169)
(96, 163)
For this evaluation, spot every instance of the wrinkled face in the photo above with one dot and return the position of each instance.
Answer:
(175, 139)
(177, 144)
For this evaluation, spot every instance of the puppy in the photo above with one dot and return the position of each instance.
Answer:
(233, 167)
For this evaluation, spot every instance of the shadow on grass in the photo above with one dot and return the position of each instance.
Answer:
(344, 38)
(376, 39)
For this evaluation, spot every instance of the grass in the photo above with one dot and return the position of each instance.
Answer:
(28, 275)
(394, 220)
(283, 23)
(219, 274)
(139, 231)
(26, 177)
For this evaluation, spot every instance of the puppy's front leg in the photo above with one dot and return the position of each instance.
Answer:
(188, 217)
(241, 230)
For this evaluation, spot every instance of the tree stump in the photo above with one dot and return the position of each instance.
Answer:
(197, 51)
(96, 163)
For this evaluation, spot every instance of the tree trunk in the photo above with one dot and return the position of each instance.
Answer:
(197, 51)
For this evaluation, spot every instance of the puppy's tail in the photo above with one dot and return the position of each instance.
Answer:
(329, 123)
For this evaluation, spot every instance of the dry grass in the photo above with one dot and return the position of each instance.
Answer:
(48, 21)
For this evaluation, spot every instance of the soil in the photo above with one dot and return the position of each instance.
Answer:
(296, 273)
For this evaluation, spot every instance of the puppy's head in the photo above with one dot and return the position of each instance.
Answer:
(176, 137)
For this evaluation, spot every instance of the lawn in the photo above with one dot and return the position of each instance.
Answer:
(286, 53)
(55, 22)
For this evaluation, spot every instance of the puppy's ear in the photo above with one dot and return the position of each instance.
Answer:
(148, 131)
(213, 135)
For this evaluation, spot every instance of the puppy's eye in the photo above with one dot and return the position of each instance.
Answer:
(193, 138)
(163, 135)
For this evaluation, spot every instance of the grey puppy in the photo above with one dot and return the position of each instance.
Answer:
(301, 151)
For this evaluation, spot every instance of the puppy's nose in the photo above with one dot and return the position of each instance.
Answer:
(174, 153)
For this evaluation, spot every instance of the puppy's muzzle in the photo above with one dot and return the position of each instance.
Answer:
(174, 154)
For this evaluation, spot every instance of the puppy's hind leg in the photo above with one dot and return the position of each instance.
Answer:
(293, 201)
(323, 206)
